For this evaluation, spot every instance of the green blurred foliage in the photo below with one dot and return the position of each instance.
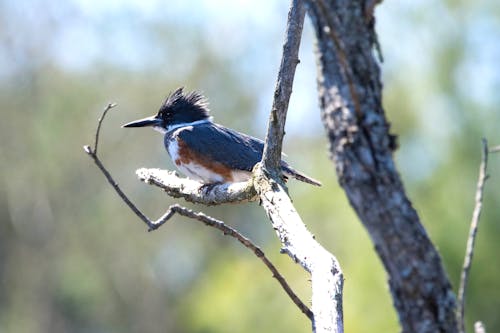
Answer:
(73, 258)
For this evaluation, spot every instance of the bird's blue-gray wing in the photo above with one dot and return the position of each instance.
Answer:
(228, 147)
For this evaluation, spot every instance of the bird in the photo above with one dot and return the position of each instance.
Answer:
(204, 150)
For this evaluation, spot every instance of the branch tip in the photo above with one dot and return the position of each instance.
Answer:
(474, 226)
(87, 149)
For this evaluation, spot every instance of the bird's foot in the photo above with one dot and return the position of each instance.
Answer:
(208, 187)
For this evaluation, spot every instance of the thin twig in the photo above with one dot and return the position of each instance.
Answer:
(271, 156)
(93, 154)
(469, 252)
(99, 123)
(207, 220)
(227, 230)
(112, 182)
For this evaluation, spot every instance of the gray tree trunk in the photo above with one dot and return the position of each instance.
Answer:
(361, 147)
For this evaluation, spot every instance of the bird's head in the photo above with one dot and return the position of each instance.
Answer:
(178, 108)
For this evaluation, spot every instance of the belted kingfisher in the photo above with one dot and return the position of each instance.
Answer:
(203, 150)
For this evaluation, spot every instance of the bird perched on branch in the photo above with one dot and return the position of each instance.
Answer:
(203, 150)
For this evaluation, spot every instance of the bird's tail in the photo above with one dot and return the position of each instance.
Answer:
(291, 172)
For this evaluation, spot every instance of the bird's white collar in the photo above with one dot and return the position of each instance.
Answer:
(163, 130)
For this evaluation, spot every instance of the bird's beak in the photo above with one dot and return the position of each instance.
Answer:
(149, 121)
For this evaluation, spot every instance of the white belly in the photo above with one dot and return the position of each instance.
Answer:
(199, 173)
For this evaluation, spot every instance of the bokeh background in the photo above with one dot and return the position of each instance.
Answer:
(73, 258)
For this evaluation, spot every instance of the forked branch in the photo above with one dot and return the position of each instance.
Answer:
(207, 220)
(326, 276)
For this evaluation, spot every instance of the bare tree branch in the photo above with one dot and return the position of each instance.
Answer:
(469, 251)
(93, 154)
(227, 230)
(326, 275)
(218, 191)
(99, 123)
(271, 156)
(196, 192)
(297, 241)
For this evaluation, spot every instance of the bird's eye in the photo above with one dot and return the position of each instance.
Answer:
(166, 114)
